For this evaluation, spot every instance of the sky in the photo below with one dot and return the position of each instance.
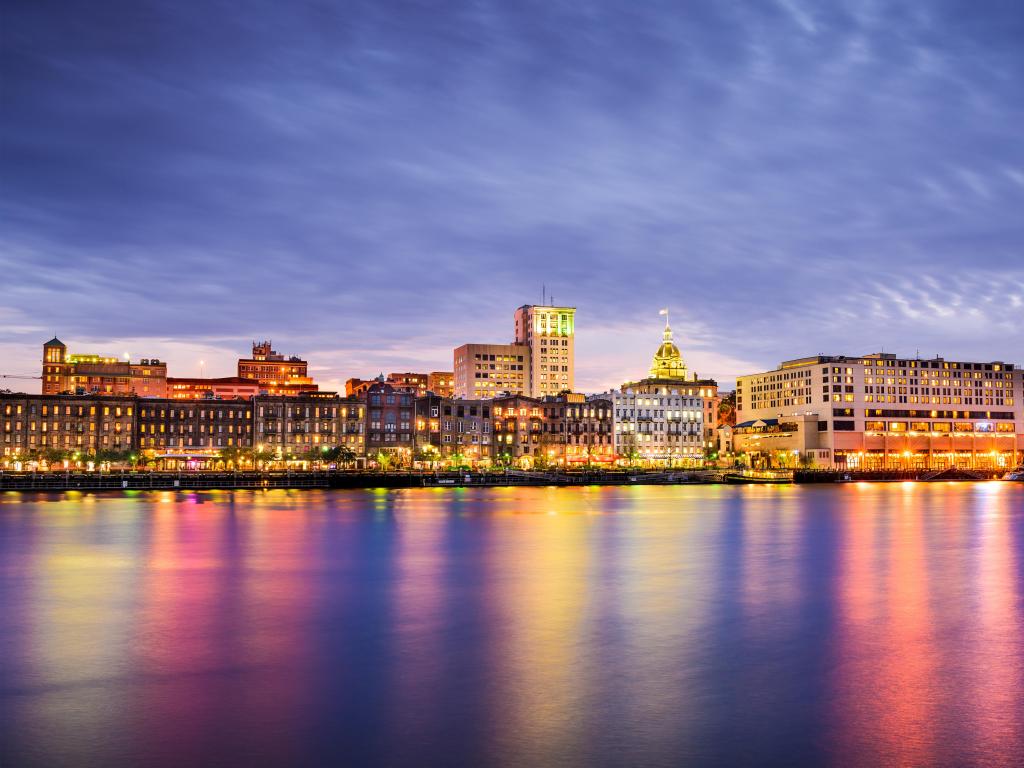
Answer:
(370, 184)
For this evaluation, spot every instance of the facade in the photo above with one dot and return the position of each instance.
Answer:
(99, 375)
(352, 424)
(33, 425)
(589, 430)
(389, 423)
(441, 383)
(881, 411)
(453, 430)
(183, 430)
(292, 425)
(668, 418)
(275, 374)
(558, 430)
(227, 388)
(549, 333)
(488, 370)
(658, 424)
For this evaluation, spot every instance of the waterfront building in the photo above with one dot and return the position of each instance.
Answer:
(276, 374)
(352, 424)
(226, 388)
(175, 431)
(93, 374)
(488, 370)
(550, 334)
(662, 419)
(589, 430)
(882, 411)
(389, 423)
(459, 431)
(519, 432)
(292, 425)
(32, 426)
(565, 429)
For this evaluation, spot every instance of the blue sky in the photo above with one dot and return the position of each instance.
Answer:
(370, 184)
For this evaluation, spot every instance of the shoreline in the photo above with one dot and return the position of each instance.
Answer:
(147, 480)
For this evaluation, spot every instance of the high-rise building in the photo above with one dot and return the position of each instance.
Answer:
(549, 333)
(489, 370)
(882, 411)
(100, 375)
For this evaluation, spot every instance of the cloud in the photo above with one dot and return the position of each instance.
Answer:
(374, 187)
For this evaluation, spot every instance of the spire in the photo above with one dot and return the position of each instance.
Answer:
(668, 362)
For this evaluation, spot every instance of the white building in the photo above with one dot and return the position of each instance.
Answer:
(660, 419)
(880, 411)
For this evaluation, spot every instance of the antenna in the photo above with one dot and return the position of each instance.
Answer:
(543, 293)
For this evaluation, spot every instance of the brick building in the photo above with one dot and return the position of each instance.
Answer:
(65, 373)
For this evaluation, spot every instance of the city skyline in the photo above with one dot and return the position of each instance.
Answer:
(358, 186)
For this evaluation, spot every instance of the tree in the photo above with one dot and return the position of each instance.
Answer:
(384, 460)
(727, 410)
(231, 455)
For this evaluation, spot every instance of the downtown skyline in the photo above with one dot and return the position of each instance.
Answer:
(371, 189)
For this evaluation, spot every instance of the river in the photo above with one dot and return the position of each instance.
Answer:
(702, 625)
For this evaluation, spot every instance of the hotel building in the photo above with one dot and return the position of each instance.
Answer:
(489, 370)
(882, 411)
(549, 333)
(100, 375)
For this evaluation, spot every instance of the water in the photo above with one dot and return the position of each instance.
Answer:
(858, 625)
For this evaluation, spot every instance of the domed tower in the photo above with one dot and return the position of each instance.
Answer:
(668, 361)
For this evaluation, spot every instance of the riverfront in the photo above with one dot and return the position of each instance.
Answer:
(863, 624)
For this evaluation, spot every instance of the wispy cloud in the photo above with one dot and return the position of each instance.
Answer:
(373, 187)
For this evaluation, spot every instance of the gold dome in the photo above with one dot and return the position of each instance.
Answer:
(668, 361)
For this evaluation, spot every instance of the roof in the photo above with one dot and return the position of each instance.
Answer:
(54, 342)
(758, 422)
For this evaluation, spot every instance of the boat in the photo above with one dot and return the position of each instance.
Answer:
(758, 478)
(1015, 475)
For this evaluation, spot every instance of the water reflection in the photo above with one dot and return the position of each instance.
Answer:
(862, 625)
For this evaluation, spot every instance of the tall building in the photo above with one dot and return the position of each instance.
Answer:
(100, 375)
(276, 374)
(489, 370)
(882, 411)
(549, 333)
